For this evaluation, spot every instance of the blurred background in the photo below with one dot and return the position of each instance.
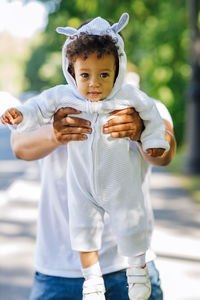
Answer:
(162, 43)
(161, 40)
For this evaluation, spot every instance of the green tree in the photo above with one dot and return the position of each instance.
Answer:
(156, 41)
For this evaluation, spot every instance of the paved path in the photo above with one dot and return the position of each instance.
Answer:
(19, 194)
(18, 214)
(176, 237)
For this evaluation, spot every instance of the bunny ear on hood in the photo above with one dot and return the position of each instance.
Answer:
(117, 27)
(123, 21)
(97, 26)
(68, 31)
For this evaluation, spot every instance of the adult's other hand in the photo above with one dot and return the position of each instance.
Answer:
(126, 123)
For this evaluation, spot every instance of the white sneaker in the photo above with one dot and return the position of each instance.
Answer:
(94, 289)
(139, 285)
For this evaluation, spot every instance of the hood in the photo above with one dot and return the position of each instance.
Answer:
(97, 26)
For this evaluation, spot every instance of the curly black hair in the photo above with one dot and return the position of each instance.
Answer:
(86, 44)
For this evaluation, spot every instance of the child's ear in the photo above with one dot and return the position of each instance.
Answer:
(123, 21)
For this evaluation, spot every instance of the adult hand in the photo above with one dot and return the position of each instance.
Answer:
(68, 128)
(126, 123)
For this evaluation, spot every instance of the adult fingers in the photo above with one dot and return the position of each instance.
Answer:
(64, 111)
(122, 134)
(64, 139)
(73, 121)
(62, 118)
(118, 128)
(120, 119)
(73, 129)
(125, 111)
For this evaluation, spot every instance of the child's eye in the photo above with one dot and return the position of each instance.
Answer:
(85, 75)
(104, 75)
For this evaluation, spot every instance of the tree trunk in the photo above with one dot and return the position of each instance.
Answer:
(193, 106)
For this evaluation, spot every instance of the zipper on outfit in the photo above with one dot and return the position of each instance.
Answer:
(94, 150)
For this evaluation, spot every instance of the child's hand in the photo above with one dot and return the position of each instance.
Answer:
(11, 116)
(155, 152)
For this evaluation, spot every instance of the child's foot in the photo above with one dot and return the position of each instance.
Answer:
(139, 284)
(94, 289)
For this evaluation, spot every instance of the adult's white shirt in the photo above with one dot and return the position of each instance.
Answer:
(54, 255)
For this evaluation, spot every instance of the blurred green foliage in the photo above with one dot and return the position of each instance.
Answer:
(13, 56)
(189, 183)
(156, 43)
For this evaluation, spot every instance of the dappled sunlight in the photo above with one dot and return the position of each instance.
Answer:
(185, 248)
(6, 101)
(12, 249)
(176, 237)
(16, 265)
(177, 280)
(20, 23)
(24, 191)
(173, 209)
(17, 238)
(23, 214)
(166, 94)
(13, 167)
(166, 53)
(19, 19)
(8, 249)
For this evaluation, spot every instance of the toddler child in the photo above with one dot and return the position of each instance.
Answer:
(103, 175)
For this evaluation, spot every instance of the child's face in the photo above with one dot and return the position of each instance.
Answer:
(95, 76)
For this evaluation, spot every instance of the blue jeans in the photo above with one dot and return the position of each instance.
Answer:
(47, 287)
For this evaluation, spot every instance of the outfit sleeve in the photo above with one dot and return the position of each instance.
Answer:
(163, 111)
(36, 112)
(153, 136)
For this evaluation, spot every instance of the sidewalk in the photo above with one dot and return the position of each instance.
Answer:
(176, 237)
(19, 196)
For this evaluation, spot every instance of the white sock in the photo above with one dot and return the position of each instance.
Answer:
(137, 261)
(92, 272)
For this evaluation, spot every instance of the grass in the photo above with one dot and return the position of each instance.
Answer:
(191, 183)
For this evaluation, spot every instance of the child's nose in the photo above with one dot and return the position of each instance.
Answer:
(94, 81)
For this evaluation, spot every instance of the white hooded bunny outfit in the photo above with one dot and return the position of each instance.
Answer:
(103, 175)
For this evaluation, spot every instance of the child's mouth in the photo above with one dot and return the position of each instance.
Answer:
(94, 93)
